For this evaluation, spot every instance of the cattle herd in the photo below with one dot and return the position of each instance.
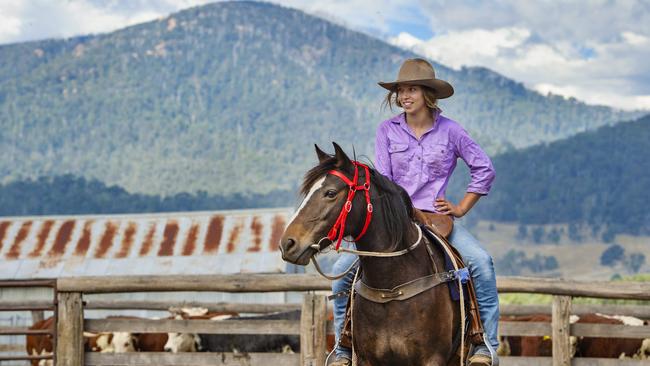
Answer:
(119, 342)
(597, 347)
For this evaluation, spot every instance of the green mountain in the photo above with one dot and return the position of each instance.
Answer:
(597, 178)
(230, 98)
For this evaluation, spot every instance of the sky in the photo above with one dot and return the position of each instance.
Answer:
(596, 51)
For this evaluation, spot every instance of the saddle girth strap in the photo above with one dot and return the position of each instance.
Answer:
(405, 290)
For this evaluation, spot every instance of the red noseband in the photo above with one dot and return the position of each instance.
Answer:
(339, 225)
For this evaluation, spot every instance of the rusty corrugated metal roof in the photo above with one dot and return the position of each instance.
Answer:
(170, 243)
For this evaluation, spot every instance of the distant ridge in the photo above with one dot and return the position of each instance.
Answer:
(597, 178)
(230, 98)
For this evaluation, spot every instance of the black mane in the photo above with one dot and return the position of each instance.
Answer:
(390, 200)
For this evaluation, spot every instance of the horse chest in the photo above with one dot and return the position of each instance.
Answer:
(403, 331)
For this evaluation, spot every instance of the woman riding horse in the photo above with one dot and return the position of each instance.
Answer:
(418, 149)
(391, 327)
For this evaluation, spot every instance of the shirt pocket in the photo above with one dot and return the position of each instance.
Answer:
(400, 156)
(437, 158)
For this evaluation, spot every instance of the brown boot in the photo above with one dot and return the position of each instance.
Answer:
(480, 360)
(341, 361)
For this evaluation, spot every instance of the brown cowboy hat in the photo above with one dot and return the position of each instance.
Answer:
(416, 71)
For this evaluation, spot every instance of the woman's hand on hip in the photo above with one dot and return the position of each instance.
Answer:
(447, 208)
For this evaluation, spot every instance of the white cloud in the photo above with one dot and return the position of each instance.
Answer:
(369, 16)
(470, 47)
(605, 76)
(634, 38)
(10, 23)
(24, 20)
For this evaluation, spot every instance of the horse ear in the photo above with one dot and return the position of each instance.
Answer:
(342, 159)
(322, 156)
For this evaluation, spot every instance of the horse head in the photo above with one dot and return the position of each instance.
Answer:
(325, 195)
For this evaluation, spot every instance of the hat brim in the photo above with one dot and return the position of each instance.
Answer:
(442, 88)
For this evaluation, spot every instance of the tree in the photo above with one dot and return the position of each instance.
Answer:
(553, 236)
(538, 234)
(612, 255)
(574, 232)
(522, 232)
(550, 262)
(635, 261)
(608, 236)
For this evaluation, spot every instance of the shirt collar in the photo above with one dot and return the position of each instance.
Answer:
(401, 118)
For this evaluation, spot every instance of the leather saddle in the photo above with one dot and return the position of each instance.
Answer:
(438, 223)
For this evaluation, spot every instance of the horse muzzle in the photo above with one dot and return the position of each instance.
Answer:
(292, 251)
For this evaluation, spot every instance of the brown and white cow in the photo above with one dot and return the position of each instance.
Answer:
(605, 347)
(597, 347)
(40, 345)
(531, 346)
(191, 342)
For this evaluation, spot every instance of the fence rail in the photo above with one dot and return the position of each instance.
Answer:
(166, 305)
(313, 325)
(309, 282)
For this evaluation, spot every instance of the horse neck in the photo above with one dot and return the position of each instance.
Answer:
(388, 272)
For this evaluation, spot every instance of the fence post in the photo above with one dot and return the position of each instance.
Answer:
(313, 319)
(69, 330)
(560, 322)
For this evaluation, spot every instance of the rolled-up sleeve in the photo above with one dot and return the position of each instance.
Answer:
(382, 157)
(480, 165)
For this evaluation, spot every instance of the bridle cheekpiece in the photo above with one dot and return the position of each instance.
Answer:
(339, 226)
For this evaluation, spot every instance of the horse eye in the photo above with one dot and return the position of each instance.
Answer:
(330, 193)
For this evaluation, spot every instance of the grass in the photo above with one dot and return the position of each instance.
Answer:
(542, 299)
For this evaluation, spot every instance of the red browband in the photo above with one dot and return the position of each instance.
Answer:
(339, 226)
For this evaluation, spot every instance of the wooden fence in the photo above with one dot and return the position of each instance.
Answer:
(313, 325)
(37, 309)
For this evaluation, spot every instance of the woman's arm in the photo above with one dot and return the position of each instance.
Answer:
(481, 171)
(446, 207)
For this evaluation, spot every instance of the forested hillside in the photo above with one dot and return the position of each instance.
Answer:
(598, 178)
(230, 98)
(69, 195)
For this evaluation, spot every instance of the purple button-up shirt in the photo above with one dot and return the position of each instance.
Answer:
(423, 166)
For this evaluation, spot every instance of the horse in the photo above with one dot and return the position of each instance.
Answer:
(421, 330)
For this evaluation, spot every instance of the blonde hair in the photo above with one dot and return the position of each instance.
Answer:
(429, 99)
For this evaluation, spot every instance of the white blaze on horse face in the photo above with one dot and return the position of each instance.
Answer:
(312, 190)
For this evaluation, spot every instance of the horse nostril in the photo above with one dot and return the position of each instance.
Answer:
(289, 244)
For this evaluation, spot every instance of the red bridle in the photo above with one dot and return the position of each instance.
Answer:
(339, 225)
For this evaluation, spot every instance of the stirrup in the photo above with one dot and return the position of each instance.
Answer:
(494, 358)
(342, 361)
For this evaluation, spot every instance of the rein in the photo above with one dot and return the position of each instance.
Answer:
(361, 253)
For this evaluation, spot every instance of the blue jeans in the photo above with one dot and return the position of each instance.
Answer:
(480, 266)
